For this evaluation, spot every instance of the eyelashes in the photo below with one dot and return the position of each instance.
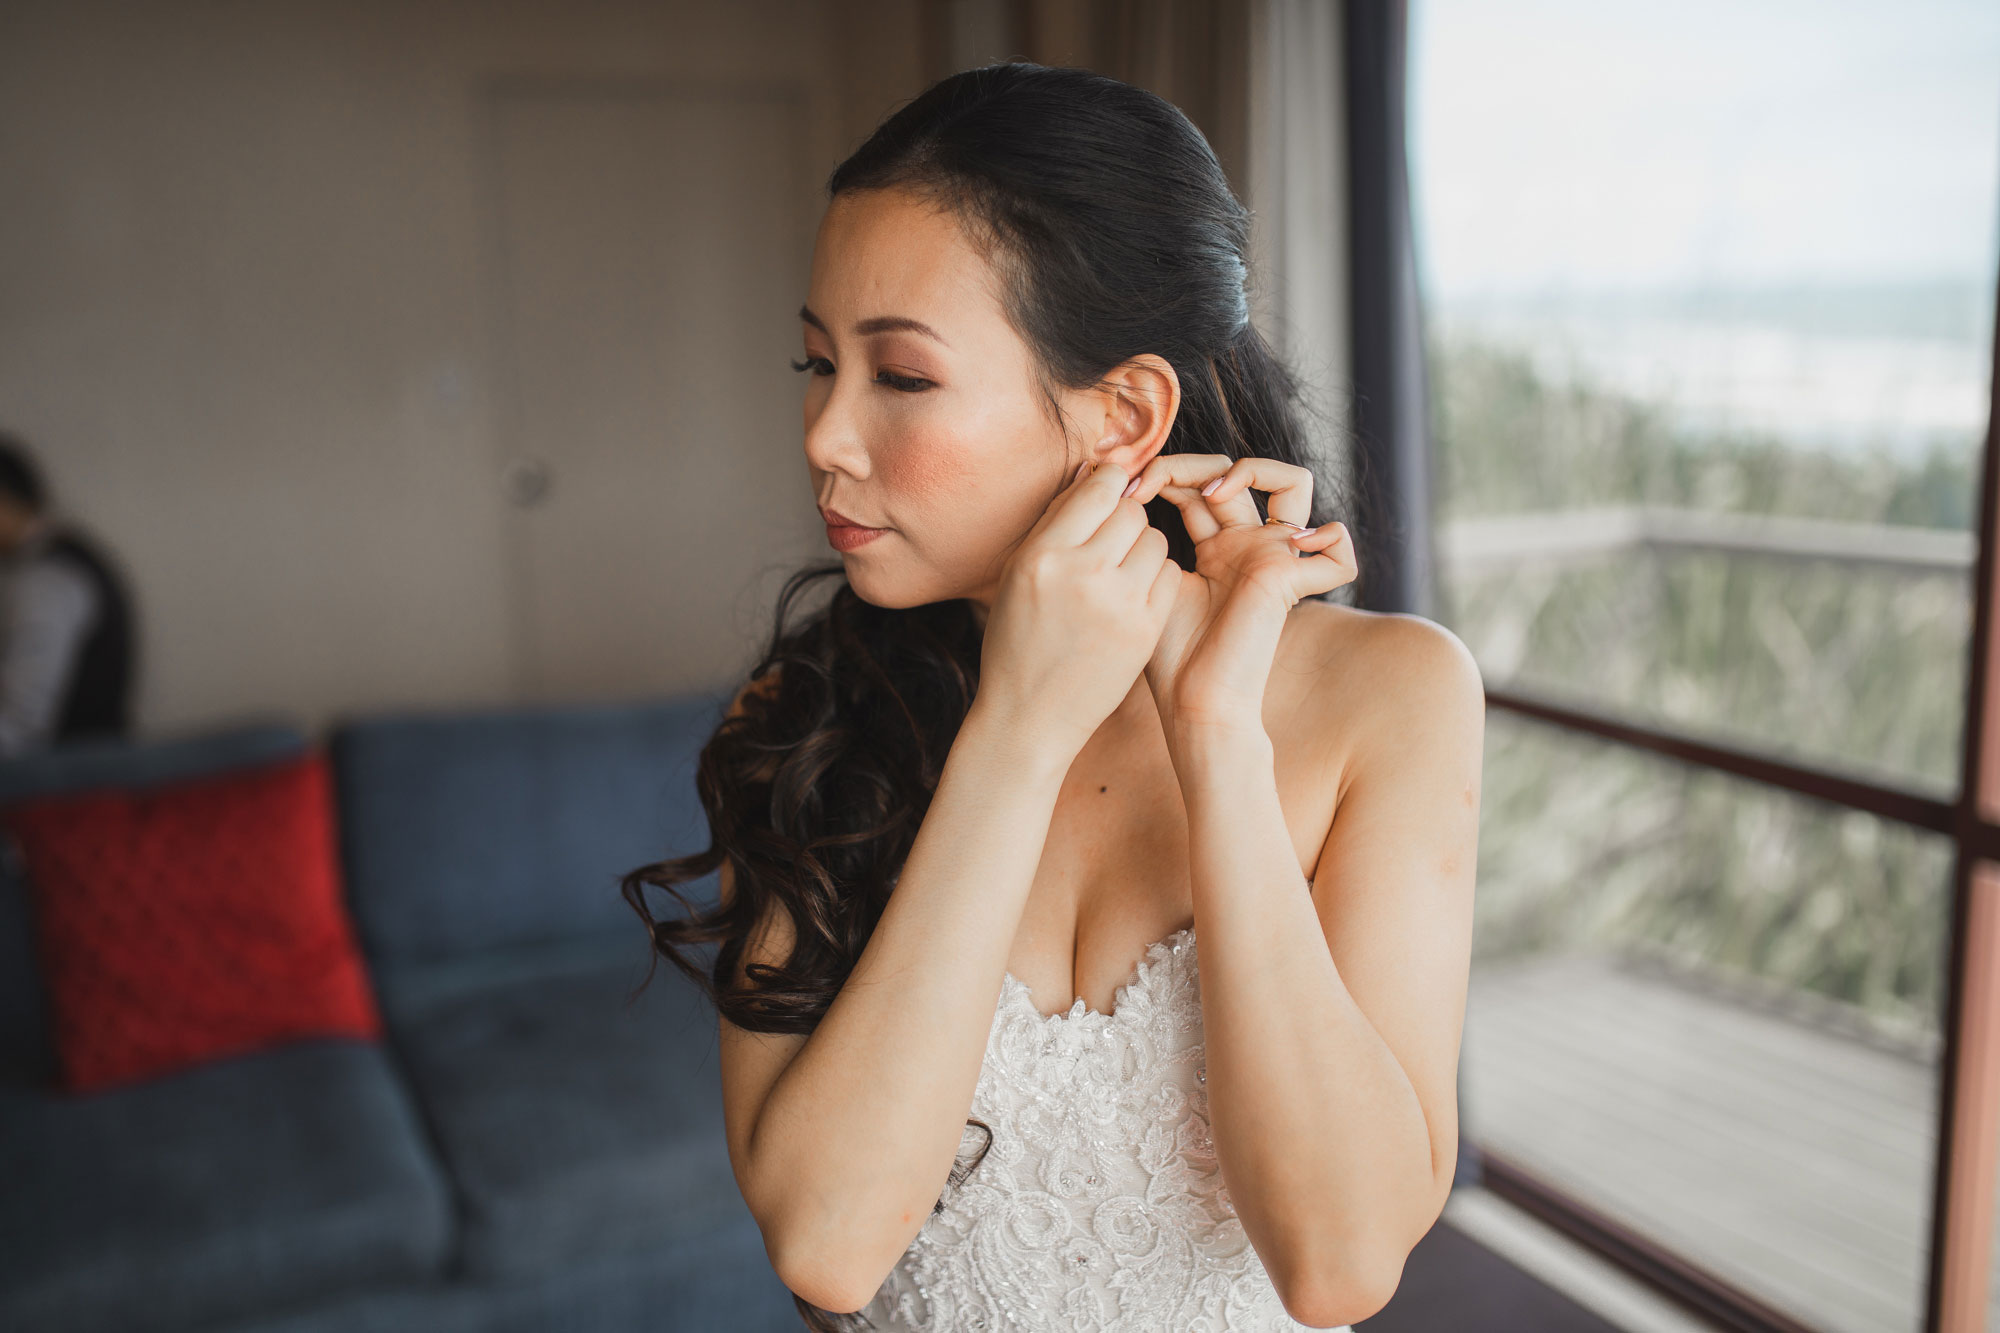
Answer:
(901, 383)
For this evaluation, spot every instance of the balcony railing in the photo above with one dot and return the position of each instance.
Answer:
(1557, 536)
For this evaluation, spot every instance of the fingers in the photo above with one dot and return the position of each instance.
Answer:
(1165, 590)
(1090, 516)
(1121, 529)
(1182, 478)
(1327, 562)
(1076, 515)
(1177, 478)
(1150, 569)
(1149, 545)
(1321, 539)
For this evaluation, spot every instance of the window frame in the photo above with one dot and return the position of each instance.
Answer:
(1391, 438)
(1966, 1174)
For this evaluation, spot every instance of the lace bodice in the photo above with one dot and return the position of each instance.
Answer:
(1099, 1207)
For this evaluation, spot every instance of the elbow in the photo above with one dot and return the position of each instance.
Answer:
(1336, 1304)
(833, 1287)
(1329, 1295)
(835, 1258)
(827, 1271)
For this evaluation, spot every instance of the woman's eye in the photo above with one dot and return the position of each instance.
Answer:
(819, 365)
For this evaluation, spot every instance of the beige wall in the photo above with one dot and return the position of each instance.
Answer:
(247, 317)
(255, 306)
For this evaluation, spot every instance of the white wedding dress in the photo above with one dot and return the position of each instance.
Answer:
(1099, 1207)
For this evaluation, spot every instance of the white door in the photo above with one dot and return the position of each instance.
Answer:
(653, 241)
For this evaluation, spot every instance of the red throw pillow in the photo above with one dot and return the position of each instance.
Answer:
(192, 920)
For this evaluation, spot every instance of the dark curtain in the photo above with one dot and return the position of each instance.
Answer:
(1391, 414)
(1391, 402)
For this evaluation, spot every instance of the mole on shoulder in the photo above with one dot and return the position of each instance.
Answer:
(1104, 789)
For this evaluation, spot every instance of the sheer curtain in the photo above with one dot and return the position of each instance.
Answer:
(1296, 189)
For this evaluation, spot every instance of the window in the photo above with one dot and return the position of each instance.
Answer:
(1708, 295)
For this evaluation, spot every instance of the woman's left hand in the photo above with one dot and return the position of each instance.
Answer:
(1214, 657)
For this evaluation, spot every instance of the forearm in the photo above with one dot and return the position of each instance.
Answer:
(860, 1132)
(1320, 1134)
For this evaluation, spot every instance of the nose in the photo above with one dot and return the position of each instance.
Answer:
(834, 435)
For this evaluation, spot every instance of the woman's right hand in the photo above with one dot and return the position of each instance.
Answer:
(1081, 603)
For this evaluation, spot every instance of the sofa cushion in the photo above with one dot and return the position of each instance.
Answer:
(268, 1181)
(109, 762)
(718, 1283)
(191, 920)
(463, 832)
(573, 1124)
(27, 1055)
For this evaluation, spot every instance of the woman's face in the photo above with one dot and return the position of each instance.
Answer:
(936, 433)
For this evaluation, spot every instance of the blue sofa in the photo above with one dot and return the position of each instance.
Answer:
(525, 1151)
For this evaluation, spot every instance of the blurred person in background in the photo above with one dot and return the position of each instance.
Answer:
(65, 621)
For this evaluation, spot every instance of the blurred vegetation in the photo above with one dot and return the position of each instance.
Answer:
(1507, 442)
(1588, 845)
(1593, 846)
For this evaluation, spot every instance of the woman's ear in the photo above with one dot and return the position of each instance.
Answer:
(1141, 397)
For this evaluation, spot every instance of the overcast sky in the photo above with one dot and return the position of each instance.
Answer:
(1586, 144)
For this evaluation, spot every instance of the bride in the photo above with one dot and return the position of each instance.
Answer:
(1072, 705)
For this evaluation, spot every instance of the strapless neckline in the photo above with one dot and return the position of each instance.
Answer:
(1012, 987)
(1097, 1204)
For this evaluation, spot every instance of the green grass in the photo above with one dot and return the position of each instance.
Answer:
(1589, 845)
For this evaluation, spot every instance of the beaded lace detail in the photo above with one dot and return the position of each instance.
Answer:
(1100, 1207)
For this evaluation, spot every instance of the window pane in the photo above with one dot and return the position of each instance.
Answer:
(1708, 291)
(1709, 1009)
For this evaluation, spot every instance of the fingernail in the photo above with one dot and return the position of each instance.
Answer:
(1210, 488)
(1304, 532)
(1131, 486)
(1079, 472)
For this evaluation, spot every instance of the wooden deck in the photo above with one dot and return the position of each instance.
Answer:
(1791, 1160)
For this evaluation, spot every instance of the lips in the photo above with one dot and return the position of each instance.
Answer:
(835, 519)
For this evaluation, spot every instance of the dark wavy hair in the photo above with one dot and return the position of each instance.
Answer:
(1114, 231)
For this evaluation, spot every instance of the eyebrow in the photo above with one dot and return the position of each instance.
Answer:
(878, 324)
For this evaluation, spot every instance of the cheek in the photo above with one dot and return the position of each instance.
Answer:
(978, 457)
(928, 470)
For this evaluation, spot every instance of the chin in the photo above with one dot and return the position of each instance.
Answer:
(877, 589)
(897, 592)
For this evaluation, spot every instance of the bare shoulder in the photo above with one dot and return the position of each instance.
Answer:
(1362, 674)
